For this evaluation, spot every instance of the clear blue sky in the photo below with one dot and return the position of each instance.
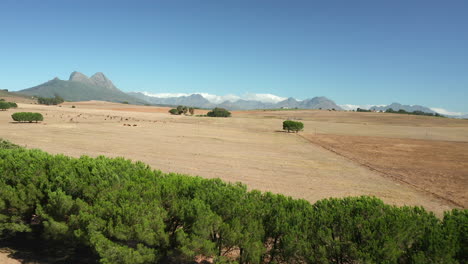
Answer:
(355, 52)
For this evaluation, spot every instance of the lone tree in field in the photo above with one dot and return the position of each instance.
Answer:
(219, 112)
(294, 126)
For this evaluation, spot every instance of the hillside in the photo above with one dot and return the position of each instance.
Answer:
(16, 97)
(81, 88)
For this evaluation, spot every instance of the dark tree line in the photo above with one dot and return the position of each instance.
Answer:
(50, 101)
(401, 111)
(124, 212)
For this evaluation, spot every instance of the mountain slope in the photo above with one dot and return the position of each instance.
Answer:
(81, 88)
(407, 108)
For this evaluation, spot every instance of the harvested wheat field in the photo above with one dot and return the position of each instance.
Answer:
(251, 148)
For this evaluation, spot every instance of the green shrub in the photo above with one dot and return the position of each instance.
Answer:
(27, 117)
(174, 111)
(73, 106)
(295, 126)
(4, 105)
(219, 112)
(13, 105)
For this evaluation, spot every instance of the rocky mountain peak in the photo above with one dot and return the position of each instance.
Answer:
(101, 80)
(78, 77)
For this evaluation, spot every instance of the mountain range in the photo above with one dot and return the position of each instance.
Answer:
(407, 108)
(81, 88)
(197, 100)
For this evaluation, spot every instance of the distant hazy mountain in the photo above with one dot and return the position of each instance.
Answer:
(194, 100)
(408, 108)
(81, 88)
(197, 100)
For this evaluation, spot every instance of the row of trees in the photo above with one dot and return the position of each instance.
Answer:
(181, 109)
(122, 212)
(401, 111)
(362, 110)
(27, 117)
(50, 101)
(7, 105)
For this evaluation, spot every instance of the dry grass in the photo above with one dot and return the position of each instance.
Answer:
(247, 147)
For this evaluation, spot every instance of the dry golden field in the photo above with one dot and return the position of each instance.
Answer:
(404, 160)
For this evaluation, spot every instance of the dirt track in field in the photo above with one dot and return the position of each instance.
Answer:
(248, 147)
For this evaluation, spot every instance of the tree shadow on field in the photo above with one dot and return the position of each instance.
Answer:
(24, 122)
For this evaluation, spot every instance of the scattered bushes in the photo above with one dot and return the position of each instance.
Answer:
(219, 112)
(295, 126)
(50, 101)
(124, 212)
(27, 117)
(182, 110)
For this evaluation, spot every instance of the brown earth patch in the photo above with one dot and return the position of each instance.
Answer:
(438, 167)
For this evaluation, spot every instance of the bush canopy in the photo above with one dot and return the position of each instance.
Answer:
(124, 212)
(219, 112)
(295, 126)
(27, 117)
(4, 105)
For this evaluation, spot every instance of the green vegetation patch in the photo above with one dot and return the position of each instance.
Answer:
(294, 126)
(182, 110)
(219, 112)
(50, 101)
(7, 105)
(27, 117)
(124, 212)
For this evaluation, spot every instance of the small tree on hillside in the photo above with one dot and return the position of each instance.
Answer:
(295, 126)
